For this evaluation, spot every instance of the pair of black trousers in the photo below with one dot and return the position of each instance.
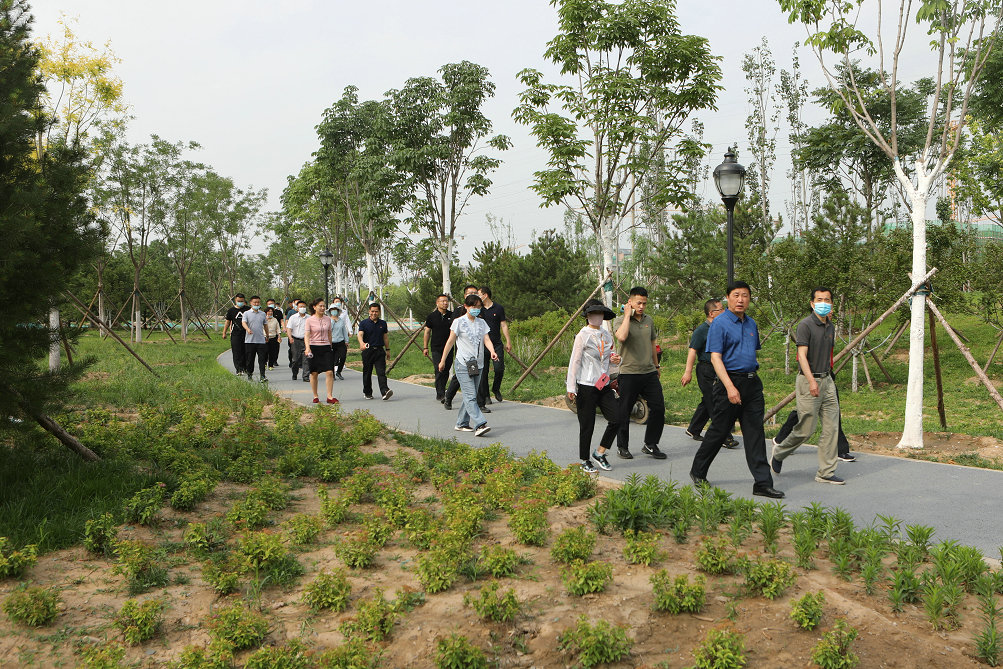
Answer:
(706, 376)
(441, 378)
(340, 350)
(499, 367)
(749, 414)
(588, 398)
(238, 351)
(297, 348)
(252, 350)
(648, 386)
(374, 358)
(273, 351)
(842, 443)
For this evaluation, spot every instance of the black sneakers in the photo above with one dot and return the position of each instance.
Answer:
(652, 450)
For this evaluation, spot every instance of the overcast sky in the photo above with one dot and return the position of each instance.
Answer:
(249, 79)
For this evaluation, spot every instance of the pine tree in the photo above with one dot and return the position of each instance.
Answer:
(45, 227)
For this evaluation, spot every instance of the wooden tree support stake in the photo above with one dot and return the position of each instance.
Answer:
(414, 335)
(564, 329)
(860, 337)
(99, 323)
(867, 372)
(965, 352)
(512, 355)
(877, 360)
(936, 369)
(992, 356)
(895, 339)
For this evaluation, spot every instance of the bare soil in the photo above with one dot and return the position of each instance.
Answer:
(92, 595)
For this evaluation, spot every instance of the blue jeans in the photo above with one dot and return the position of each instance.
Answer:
(469, 411)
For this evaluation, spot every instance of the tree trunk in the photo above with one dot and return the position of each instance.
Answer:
(607, 245)
(54, 359)
(67, 439)
(445, 253)
(184, 312)
(339, 278)
(370, 263)
(912, 429)
(787, 352)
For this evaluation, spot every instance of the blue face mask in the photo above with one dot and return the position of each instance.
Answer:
(475, 311)
(240, 304)
(255, 306)
(822, 308)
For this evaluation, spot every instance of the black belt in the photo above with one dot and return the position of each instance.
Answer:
(298, 338)
(817, 376)
(705, 362)
(743, 375)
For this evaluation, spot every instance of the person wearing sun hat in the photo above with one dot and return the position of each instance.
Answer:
(588, 384)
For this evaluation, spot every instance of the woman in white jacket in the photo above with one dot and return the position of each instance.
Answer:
(588, 384)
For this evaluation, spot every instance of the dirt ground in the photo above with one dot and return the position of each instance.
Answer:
(92, 594)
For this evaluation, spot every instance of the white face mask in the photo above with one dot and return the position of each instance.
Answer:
(595, 320)
(302, 310)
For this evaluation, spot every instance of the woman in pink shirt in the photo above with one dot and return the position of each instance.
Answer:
(317, 338)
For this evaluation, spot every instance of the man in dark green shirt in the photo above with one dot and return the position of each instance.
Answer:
(705, 374)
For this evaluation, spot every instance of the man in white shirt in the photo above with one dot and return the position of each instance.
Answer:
(295, 331)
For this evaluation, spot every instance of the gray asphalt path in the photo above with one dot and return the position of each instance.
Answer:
(962, 503)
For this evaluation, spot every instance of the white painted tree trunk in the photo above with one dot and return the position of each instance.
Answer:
(339, 278)
(54, 340)
(101, 310)
(370, 264)
(445, 253)
(607, 246)
(912, 429)
(138, 325)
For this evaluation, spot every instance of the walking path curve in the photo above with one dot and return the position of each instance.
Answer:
(962, 503)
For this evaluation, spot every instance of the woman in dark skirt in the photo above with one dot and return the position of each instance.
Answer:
(317, 338)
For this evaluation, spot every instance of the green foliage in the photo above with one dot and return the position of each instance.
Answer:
(222, 574)
(807, 611)
(32, 605)
(358, 550)
(715, 555)
(492, 604)
(139, 622)
(374, 620)
(905, 588)
(265, 555)
(571, 485)
(636, 506)
(988, 647)
(144, 506)
(141, 564)
(100, 534)
(769, 578)
(272, 491)
(238, 626)
(720, 649)
(678, 595)
(102, 656)
(205, 538)
(335, 510)
(193, 489)
(330, 590)
(456, 652)
(582, 578)
(770, 520)
(529, 522)
(437, 570)
(249, 513)
(303, 528)
(574, 543)
(596, 644)
(219, 655)
(353, 654)
(420, 528)
(833, 651)
(641, 547)
(291, 655)
(499, 561)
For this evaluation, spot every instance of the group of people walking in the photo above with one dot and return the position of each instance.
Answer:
(610, 368)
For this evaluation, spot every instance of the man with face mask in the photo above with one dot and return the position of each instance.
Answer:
(454, 384)
(815, 389)
(235, 325)
(345, 319)
(295, 331)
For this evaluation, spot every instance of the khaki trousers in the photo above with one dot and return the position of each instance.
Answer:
(810, 410)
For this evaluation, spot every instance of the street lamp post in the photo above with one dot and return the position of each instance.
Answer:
(326, 258)
(729, 177)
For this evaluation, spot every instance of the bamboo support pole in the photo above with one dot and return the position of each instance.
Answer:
(877, 360)
(564, 329)
(99, 323)
(867, 372)
(860, 337)
(965, 352)
(512, 355)
(936, 368)
(157, 316)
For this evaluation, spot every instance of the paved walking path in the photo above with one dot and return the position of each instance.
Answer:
(962, 503)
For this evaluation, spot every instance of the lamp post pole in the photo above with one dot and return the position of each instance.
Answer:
(729, 203)
(326, 258)
(729, 177)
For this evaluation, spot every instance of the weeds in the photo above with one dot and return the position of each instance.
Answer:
(139, 622)
(833, 651)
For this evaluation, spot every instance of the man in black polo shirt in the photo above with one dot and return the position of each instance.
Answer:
(374, 342)
(494, 315)
(733, 339)
(815, 390)
(705, 374)
(437, 332)
(454, 385)
(235, 324)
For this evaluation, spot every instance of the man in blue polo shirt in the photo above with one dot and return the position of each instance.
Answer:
(733, 340)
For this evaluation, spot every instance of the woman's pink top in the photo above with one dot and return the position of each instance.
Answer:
(318, 330)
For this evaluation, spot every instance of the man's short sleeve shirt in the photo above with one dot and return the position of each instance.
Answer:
(819, 336)
(256, 321)
(736, 339)
(493, 316)
(698, 342)
(637, 351)
(438, 325)
(236, 317)
(373, 331)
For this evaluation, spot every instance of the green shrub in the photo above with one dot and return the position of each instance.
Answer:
(598, 644)
(641, 548)
(193, 489)
(833, 651)
(330, 590)
(715, 555)
(238, 626)
(291, 655)
(100, 535)
(141, 564)
(358, 550)
(529, 522)
(204, 538)
(636, 505)
(493, 605)
(219, 655)
(222, 574)
(335, 510)
(272, 491)
(14, 563)
(807, 611)
(32, 605)
(420, 528)
(144, 506)
(139, 622)
(249, 513)
(770, 578)
(575, 543)
(102, 656)
(721, 649)
(499, 561)
(572, 484)
(374, 620)
(353, 654)
(437, 570)
(265, 554)
(379, 528)
(456, 652)
(303, 528)
(678, 595)
(582, 578)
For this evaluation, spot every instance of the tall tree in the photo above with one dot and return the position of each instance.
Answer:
(793, 91)
(956, 32)
(638, 78)
(761, 124)
(45, 224)
(439, 136)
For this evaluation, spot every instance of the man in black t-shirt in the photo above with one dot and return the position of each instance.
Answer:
(235, 325)
(374, 343)
(434, 340)
(494, 314)
(454, 385)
